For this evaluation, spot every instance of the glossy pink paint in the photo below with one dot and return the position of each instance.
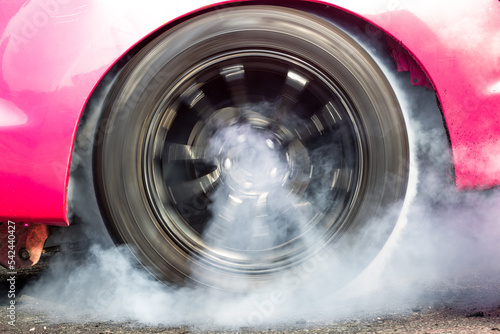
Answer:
(54, 52)
(460, 51)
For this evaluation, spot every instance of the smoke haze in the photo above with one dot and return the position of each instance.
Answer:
(443, 236)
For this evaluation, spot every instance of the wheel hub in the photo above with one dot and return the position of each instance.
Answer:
(254, 163)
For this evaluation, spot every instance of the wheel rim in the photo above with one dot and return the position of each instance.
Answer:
(289, 128)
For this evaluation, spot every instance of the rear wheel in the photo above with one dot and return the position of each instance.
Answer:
(238, 145)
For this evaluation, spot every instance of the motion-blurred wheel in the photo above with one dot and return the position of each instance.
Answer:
(242, 142)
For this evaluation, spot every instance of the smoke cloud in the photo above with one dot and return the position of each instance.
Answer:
(443, 236)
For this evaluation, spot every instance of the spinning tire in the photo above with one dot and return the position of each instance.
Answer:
(315, 98)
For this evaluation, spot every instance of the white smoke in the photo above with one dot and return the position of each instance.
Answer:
(447, 235)
(444, 235)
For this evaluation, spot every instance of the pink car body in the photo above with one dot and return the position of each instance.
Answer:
(55, 52)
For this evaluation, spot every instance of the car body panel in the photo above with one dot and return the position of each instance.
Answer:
(53, 55)
(459, 47)
(55, 52)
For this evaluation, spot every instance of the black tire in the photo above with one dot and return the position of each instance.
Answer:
(287, 76)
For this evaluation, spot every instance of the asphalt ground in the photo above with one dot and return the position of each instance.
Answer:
(471, 304)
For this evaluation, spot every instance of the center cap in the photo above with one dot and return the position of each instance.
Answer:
(251, 160)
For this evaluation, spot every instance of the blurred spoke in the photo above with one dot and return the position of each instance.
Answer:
(293, 87)
(179, 152)
(196, 99)
(320, 123)
(190, 189)
(342, 179)
(222, 224)
(234, 76)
